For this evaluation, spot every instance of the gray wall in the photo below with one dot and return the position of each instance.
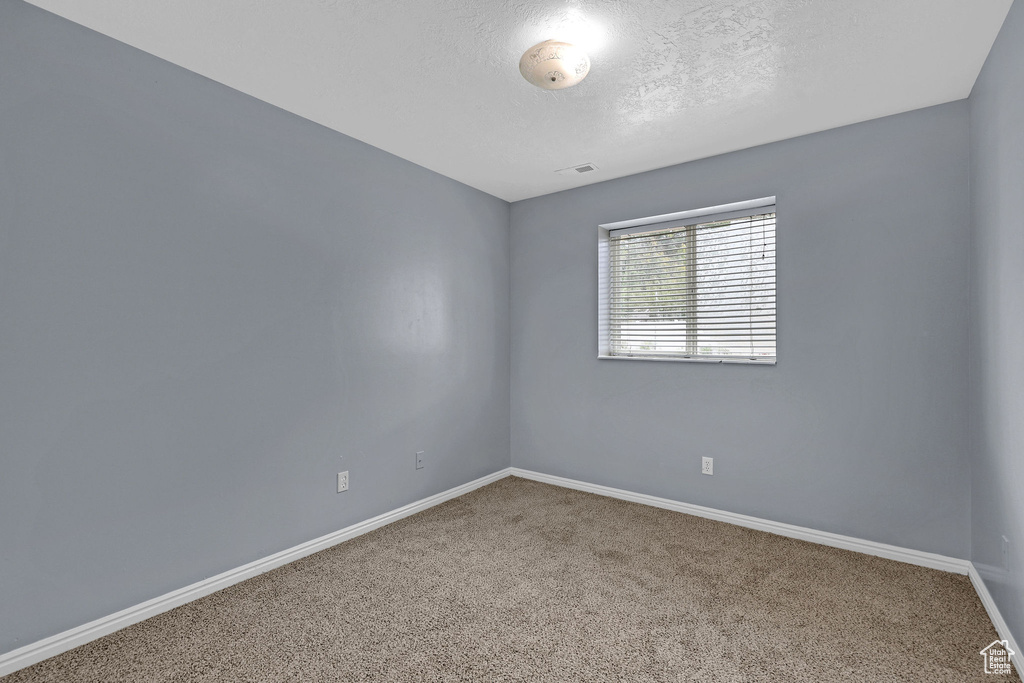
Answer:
(861, 428)
(997, 325)
(210, 307)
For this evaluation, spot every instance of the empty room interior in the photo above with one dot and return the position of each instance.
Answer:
(536, 340)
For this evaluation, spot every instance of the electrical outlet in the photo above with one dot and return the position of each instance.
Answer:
(342, 481)
(707, 466)
(1006, 553)
(419, 459)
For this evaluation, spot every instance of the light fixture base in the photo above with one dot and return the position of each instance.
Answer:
(553, 65)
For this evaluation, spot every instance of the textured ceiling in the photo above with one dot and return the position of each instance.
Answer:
(437, 81)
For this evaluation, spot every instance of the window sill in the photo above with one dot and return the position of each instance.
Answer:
(673, 359)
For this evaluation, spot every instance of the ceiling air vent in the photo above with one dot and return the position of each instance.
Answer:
(577, 170)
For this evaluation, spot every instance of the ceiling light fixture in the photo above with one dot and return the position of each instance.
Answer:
(554, 65)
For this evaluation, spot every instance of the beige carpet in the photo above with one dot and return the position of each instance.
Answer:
(521, 581)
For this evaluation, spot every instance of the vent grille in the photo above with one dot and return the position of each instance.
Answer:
(577, 170)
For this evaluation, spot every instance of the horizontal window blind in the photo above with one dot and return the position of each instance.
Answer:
(705, 290)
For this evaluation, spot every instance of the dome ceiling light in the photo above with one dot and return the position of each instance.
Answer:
(553, 65)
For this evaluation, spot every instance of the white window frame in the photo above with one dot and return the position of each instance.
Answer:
(705, 215)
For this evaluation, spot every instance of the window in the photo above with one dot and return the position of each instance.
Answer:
(694, 285)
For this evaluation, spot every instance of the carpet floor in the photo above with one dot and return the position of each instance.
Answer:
(522, 581)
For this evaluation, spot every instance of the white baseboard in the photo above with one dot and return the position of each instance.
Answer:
(997, 619)
(892, 552)
(72, 638)
(54, 645)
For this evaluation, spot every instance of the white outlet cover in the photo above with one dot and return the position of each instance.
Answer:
(342, 481)
(707, 466)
